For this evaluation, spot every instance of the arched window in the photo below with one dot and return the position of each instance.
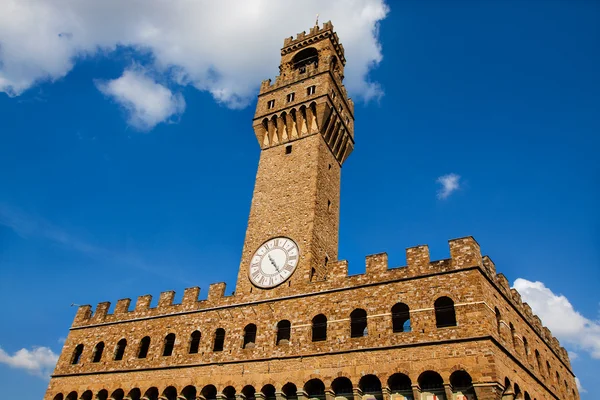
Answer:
(527, 396)
(315, 389)
(557, 378)
(400, 383)
(249, 336)
(209, 392)
(268, 391)
(195, 342)
(305, 57)
(97, 353)
(444, 312)
(290, 391)
(249, 392)
(103, 395)
(370, 384)
(461, 381)
(77, 354)
(358, 323)
(342, 387)
(144, 346)
(498, 321)
(229, 393)
(400, 318)
(72, 396)
(526, 346)
(134, 394)
(283, 332)
(538, 359)
(59, 396)
(431, 381)
(170, 393)
(87, 395)
(219, 339)
(313, 271)
(549, 369)
(189, 392)
(513, 335)
(319, 328)
(120, 349)
(151, 394)
(118, 394)
(169, 344)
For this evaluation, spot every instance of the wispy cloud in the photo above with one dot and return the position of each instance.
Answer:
(38, 361)
(558, 314)
(29, 226)
(579, 387)
(450, 183)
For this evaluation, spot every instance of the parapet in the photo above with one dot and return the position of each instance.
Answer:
(315, 33)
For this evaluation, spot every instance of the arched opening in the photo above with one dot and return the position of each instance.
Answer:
(120, 349)
(549, 369)
(342, 387)
(513, 336)
(557, 378)
(209, 392)
(290, 391)
(526, 346)
(97, 353)
(400, 318)
(103, 395)
(319, 328)
(283, 332)
(77, 354)
(249, 392)
(498, 320)
(249, 336)
(517, 390)
(315, 389)
(170, 393)
(308, 56)
(144, 346)
(118, 394)
(444, 312)
(313, 272)
(268, 391)
(189, 392)
(527, 396)
(401, 384)
(59, 396)
(169, 344)
(431, 382)
(462, 384)
(151, 394)
(134, 394)
(87, 395)
(72, 396)
(219, 339)
(195, 342)
(229, 393)
(538, 360)
(358, 323)
(371, 385)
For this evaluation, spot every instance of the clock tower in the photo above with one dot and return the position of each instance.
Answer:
(304, 124)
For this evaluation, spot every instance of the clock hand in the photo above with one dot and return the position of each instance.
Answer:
(273, 262)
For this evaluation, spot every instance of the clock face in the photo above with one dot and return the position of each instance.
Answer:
(274, 262)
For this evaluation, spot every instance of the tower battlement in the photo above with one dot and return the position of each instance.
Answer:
(315, 33)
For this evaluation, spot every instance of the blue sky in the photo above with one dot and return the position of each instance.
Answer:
(115, 187)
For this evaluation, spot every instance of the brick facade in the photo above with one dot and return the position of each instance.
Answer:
(446, 329)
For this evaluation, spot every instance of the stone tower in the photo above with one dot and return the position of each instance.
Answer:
(304, 125)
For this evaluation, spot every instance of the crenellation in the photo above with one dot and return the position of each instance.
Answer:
(516, 296)
(83, 315)
(417, 259)
(101, 312)
(122, 306)
(489, 266)
(216, 291)
(165, 301)
(503, 283)
(190, 297)
(337, 271)
(465, 252)
(376, 265)
(143, 303)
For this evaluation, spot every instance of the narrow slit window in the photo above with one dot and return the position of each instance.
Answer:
(288, 149)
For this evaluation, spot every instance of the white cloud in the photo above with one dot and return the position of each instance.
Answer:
(147, 103)
(450, 183)
(39, 361)
(579, 387)
(225, 47)
(557, 313)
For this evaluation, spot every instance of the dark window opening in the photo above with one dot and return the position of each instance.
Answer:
(219, 339)
(229, 393)
(209, 392)
(328, 205)
(169, 344)
(249, 392)
(315, 389)
(400, 318)
(189, 392)
(461, 381)
(431, 381)
(144, 346)
(444, 312)
(283, 332)
(400, 383)
(271, 104)
(269, 392)
(290, 391)
(77, 354)
(98, 350)
(290, 97)
(312, 274)
(342, 387)
(309, 56)
(526, 346)
(371, 385)
(513, 336)
(358, 323)
(311, 90)
(498, 320)
(319, 328)
(288, 149)
(249, 336)
(120, 350)
(195, 342)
